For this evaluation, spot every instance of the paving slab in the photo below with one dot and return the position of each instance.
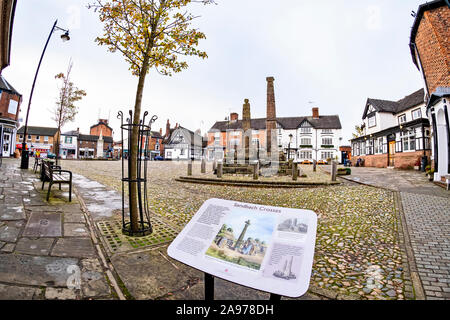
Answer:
(93, 282)
(148, 275)
(9, 234)
(35, 270)
(60, 294)
(75, 230)
(74, 217)
(12, 212)
(74, 247)
(43, 224)
(8, 292)
(40, 246)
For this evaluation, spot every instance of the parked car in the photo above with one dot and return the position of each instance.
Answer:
(306, 162)
(51, 155)
(322, 162)
(159, 158)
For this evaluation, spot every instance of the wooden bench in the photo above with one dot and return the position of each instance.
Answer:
(54, 174)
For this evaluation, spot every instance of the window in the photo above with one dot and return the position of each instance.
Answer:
(305, 154)
(38, 138)
(21, 136)
(255, 131)
(68, 140)
(12, 107)
(370, 147)
(327, 131)
(372, 122)
(408, 140)
(326, 155)
(29, 137)
(45, 138)
(305, 141)
(327, 141)
(416, 114)
(402, 119)
(305, 130)
(379, 145)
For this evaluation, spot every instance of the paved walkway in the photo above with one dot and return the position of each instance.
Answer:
(426, 209)
(46, 248)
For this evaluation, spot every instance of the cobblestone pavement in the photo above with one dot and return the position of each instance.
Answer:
(46, 251)
(426, 208)
(359, 252)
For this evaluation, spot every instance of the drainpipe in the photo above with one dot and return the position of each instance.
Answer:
(448, 137)
(435, 139)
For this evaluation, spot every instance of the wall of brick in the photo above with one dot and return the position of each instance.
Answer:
(101, 128)
(402, 160)
(4, 105)
(434, 48)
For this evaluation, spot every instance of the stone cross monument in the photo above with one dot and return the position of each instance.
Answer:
(246, 125)
(271, 123)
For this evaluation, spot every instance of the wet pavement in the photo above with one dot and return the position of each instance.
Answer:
(46, 251)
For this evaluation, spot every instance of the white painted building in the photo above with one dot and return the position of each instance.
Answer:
(183, 144)
(395, 133)
(316, 137)
(68, 148)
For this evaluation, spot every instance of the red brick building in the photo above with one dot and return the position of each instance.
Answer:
(10, 101)
(430, 51)
(102, 128)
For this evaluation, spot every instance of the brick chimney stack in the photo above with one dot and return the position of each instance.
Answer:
(271, 113)
(160, 131)
(167, 128)
(234, 116)
(315, 113)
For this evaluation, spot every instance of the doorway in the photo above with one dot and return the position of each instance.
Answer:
(6, 144)
(391, 154)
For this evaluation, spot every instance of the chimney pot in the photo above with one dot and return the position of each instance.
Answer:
(315, 113)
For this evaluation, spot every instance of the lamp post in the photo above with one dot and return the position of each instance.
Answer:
(25, 157)
(289, 146)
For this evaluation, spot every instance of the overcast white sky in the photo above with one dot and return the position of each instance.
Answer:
(334, 53)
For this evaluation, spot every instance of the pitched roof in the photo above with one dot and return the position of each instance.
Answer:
(71, 133)
(324, 122)
(155, 134)
(89, 137)
(414, 99)
(41, 131)
(4, 85)
(101, 122)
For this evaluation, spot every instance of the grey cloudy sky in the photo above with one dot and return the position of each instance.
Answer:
(335, 54)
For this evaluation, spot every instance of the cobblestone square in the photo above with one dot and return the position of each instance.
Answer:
(359, 250)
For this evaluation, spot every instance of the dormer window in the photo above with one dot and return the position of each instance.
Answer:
(416, 114)
(371, 121)
(402, 119)
(305, 130)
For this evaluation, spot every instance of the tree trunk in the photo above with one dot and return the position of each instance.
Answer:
(134, 210)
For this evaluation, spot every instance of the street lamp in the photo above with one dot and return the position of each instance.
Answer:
(289, 146)
(65, 37)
